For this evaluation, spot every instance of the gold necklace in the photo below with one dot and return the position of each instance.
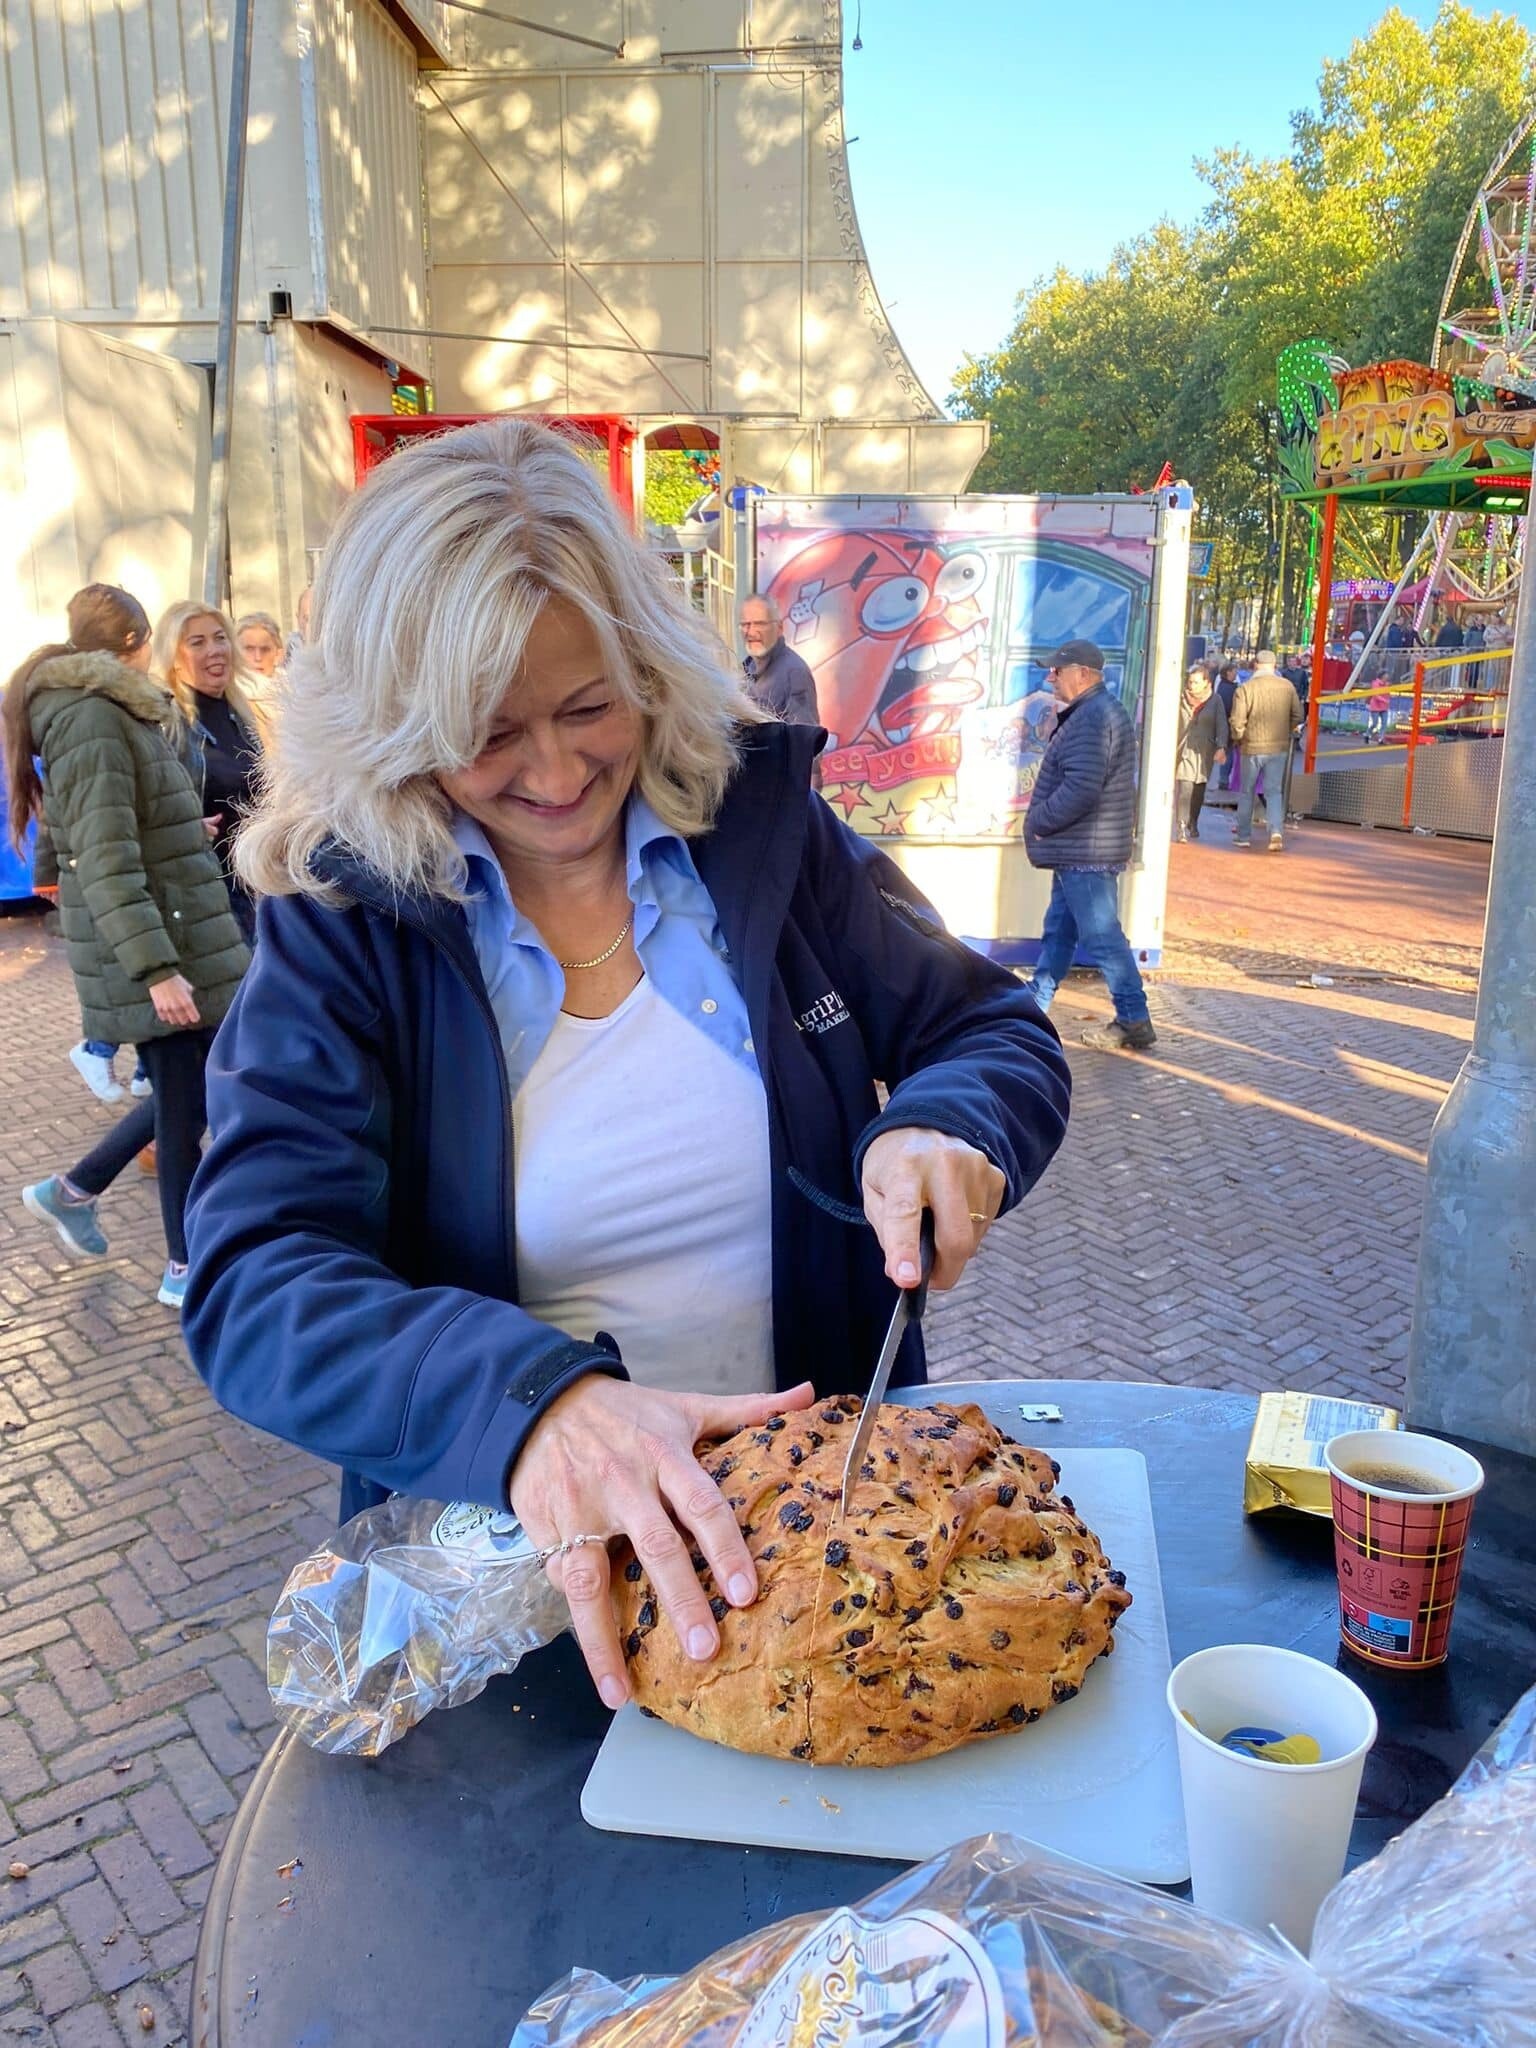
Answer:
(597, 960)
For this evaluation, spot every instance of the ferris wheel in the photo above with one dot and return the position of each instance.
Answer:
(1486, 333)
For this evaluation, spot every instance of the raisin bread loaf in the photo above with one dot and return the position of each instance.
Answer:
(961, 1597)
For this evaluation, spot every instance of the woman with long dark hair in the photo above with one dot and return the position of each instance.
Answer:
(153, 944)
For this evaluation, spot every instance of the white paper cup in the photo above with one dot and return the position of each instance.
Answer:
(1267, 1841)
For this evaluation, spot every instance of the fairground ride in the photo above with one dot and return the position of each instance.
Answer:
(1485, 338)
(1367, 451)
(1487, 332)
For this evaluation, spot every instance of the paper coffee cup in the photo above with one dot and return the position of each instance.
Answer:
(1267, 1841)
(1402, 1507)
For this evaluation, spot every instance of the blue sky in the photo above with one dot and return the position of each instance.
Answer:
(1000, 138)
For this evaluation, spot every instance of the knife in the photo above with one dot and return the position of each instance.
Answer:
(910, 1303)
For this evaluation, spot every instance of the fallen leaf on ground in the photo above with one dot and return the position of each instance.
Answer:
(108, 1939)
(121, 1764)
(287, 1869)
(20, 1870)
(147, 2018)
(828, 1804)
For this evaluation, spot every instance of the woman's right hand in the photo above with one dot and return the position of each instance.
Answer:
(608, 1458)
(174, 1002)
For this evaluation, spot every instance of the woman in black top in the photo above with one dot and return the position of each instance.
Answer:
(196, 655)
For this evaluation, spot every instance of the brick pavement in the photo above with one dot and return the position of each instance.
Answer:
(1240, 1209)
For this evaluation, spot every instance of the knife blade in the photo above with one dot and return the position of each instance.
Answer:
(910, 1303)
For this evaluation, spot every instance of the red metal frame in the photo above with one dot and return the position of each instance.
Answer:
(1320, 628)
(374, 436)
(1414, 725)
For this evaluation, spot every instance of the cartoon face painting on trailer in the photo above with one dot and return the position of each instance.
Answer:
(892, 627)
(545, 1131)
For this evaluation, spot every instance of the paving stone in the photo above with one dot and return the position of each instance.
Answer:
(112, 1951)
(130, 1869)
(89, 2026)
(56, 1978)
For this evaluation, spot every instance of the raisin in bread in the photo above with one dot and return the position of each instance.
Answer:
(961, 1597)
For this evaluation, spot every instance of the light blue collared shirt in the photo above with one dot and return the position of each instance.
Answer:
(677, 936)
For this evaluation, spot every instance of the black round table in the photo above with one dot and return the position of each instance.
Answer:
(445, 1884)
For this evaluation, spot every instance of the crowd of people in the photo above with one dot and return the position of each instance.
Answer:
(1244, 719)
(136, 753)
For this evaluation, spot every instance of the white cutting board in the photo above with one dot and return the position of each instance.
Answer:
(1096, 1778)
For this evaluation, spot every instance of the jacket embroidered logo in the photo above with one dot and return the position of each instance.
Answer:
(826, 1011)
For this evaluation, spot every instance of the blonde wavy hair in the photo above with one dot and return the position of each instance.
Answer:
(428, 590)
(165, 660)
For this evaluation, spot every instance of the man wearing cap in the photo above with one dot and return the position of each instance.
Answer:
(1081, 824)
(1266, 717)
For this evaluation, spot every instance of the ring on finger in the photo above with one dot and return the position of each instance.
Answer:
(564, 1549)
(978, 1217)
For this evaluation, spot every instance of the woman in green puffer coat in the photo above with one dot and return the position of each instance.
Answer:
(153, 945)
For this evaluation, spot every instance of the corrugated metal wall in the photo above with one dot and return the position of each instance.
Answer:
(112, 163)
(369, 162)
(115, 153)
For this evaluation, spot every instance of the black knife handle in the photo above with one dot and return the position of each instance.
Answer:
(917, 1298)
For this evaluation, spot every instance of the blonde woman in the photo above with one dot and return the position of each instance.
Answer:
(546, 1124)
(260, 640)
(197, 655)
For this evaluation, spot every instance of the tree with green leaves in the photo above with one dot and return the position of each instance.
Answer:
(1169, 352)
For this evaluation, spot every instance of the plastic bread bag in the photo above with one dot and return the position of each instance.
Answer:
(411, 1605)
(997, 1944)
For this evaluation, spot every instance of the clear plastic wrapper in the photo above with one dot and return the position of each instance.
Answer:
(996, 1944)
(411, 1605)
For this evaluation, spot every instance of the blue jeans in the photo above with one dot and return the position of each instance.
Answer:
(1084, 915)
(1272, 768)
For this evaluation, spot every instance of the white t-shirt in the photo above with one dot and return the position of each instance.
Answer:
(643, 1199)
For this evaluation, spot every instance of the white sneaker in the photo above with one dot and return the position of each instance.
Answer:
(95, 1070)
(141, 1085)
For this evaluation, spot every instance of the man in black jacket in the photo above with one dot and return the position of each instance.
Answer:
(777, 678)
(1081, 824)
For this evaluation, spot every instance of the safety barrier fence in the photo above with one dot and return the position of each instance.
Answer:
(1452, 709)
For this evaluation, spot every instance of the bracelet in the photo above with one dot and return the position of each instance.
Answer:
(563, 1549)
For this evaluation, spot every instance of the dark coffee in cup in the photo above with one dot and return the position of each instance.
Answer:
(1395, 1478)
(1402, 1505)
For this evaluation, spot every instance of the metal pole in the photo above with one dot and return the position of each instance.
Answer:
(1470, 1363)
(1384, 616)
(216, 563)
(1413, 742)
(1320, 626)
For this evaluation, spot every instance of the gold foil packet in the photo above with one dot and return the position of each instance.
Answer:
(1285, 1466)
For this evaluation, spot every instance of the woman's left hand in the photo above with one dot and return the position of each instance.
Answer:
(908, 1171)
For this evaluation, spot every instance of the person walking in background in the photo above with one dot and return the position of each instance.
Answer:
(1202, 743)
(1378, 712)
(1081, 824)
(1474, 643)
(260, 640)
(300, 631)
(1266, 716)
(153, 945)
(1449, 637)
(778, 680)
(195, 652)
(1226, 690)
